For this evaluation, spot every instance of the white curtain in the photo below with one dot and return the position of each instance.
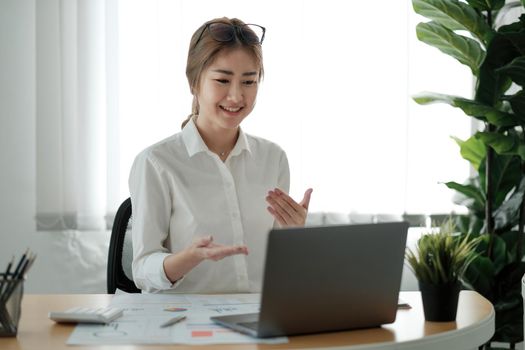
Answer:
(77, 113)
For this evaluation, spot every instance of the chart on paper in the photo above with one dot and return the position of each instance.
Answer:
(143, 315)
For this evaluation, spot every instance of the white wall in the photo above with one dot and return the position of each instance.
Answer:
(67, 262)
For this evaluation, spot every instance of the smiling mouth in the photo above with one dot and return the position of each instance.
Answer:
(231, 109)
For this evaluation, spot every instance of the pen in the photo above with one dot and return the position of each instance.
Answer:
(172, 321)
(6, 276)
(31, 261)
(20, 263)
(8, 270)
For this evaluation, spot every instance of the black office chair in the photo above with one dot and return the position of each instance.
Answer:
(119, 264)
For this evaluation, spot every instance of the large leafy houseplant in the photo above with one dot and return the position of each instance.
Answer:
(468, 31)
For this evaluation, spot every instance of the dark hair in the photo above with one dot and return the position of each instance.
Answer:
(204, 50)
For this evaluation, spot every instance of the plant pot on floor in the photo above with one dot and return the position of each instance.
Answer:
(440, 302)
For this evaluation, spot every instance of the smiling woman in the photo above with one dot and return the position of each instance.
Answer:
(180, 239)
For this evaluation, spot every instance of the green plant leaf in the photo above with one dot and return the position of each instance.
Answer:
(496, 5)
(490, 85)
(473, 150)
(513, 27)
(506, 173)
(475, 207)
(492, 115)
(499, 253)
(469, 191)
(501, 51)
(521, 151)
(517, 39)
(503, 144)
(480, 276)
(515, 70)
(465, 50)
(511, 240)
(509, 282)
(425, 98)
(486, 5)
(454, 15)
(507, 215)
(469, 224)
(508, 303)
(471, 108)
(517, 101)
(509, 321)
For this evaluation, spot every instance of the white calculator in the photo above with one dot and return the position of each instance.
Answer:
(87, 315)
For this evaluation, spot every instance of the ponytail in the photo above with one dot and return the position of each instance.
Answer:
(186, 121)
(194, 112)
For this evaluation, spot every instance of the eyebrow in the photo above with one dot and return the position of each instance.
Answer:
(229, 72)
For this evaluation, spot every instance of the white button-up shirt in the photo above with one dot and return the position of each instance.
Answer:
(180, 190)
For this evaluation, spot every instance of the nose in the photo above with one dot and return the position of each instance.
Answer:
(235, 93)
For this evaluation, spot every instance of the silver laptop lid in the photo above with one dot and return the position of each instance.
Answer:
(331, 278)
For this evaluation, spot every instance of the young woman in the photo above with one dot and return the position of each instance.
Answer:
(205, 198)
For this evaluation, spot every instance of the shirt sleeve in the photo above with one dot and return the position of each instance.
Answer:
(151, 211)
(283, 182)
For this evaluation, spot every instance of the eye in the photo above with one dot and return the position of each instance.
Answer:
(222, 81)
(249, 82)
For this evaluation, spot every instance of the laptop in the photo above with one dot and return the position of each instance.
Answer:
(329, 278)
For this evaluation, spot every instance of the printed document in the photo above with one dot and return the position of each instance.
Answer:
(144, 313)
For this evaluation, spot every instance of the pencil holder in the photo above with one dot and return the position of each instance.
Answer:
(10, 304)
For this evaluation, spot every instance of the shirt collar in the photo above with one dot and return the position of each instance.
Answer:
(241, 144)
(195, 144)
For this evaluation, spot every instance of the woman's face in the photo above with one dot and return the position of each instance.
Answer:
(228, 90)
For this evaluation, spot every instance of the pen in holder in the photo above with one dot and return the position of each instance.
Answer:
(11, 292)
(10, 304)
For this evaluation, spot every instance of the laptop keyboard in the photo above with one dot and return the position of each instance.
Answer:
(251, 325)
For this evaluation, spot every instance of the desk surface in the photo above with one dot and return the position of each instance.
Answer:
(474, 326)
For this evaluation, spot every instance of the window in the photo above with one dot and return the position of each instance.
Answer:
(336, 97)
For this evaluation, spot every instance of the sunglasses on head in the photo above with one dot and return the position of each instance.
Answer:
(225, 32)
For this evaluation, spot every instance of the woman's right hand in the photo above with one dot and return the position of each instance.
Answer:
(204, 248)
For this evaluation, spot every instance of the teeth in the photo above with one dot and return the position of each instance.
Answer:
(231, 109)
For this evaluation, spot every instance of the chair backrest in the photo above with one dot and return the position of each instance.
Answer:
(120, 252)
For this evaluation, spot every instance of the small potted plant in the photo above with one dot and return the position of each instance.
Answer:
(439, 262)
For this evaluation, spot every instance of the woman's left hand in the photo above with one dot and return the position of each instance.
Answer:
(285, 210)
